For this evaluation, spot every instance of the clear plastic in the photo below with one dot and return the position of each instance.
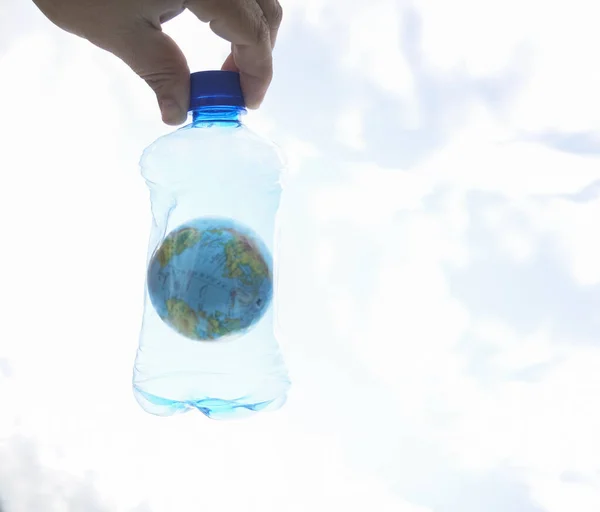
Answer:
(212, 170)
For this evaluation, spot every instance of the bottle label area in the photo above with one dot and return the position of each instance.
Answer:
(210, 279)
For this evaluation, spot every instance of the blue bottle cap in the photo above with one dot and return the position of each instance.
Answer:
(215, 88)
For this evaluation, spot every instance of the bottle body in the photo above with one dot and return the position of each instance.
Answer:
(215, 192)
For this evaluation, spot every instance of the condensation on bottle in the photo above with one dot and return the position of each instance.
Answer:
(207, 340)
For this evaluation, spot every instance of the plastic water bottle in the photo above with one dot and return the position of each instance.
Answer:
(207, 340)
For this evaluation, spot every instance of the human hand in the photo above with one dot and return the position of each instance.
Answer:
(131, 30)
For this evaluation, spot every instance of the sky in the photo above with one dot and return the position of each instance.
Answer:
(439, 304)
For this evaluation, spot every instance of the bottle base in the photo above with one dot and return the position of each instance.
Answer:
(213, 408)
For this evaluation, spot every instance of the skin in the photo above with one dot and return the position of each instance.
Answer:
(131, 30)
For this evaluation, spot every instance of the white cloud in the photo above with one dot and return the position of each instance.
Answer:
(374, 46)
(367, 37)
(409, 334)
(27, 484)
(547, 426)
(574, 227)
(310, 11)
(516, 239)
(515, 169)
(514, 351)
(349, 128)
(555, 495)
(552, 44)
(203, 50)
(482, 37)
(372, 197)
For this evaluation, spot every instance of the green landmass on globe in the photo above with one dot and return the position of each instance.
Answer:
(180, 241)
(185, 320)
(210, 278)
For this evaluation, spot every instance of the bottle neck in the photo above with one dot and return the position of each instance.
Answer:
(211, 115)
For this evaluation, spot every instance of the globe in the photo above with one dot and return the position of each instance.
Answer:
(210, 278)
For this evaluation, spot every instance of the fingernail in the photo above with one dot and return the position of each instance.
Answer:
(171, 111)
(254, 103)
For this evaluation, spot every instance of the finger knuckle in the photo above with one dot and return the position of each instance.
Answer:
(262, 32)
(274, 14)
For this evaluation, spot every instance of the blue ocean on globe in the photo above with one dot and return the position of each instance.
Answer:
(211, 278)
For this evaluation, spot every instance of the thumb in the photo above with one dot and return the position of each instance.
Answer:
(155, 57)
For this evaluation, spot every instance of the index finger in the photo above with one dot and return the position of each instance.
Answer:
(245, 24)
